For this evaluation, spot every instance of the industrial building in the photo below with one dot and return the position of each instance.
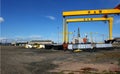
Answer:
(40, 42)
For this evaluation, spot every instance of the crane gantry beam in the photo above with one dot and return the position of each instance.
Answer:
(91, 12)
(110, 20)
(87, 19)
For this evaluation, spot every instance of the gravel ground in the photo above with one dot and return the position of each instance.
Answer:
(18, 60)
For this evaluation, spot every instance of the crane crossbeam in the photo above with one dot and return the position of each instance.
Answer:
(87, 19)
(91, 12)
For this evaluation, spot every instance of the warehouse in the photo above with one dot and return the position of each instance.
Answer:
(41, 42)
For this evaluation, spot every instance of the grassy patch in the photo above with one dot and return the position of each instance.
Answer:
(41, 67)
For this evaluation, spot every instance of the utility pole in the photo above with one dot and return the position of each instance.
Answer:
(78, 32)
(58, 34)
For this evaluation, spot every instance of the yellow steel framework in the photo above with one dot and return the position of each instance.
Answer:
(91, 12)
(110, 20)
(116, 10)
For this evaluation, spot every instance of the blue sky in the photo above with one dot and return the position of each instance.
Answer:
(40, 19)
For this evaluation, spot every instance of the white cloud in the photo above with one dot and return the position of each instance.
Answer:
(117, 21)
(1, 38)
(1, 19)
(116, 35)
(51, 17)
(21, 38)
(30, 37)
(35, 37)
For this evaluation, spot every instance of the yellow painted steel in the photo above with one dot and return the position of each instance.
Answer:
(110, 20)
(110, 28)
(87, 19)
(91, 12)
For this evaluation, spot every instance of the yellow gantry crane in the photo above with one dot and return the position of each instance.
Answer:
(110, 20)
(116, 10)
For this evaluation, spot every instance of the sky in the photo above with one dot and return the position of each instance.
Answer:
(42, 19)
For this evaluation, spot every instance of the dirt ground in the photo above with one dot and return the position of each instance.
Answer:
(18, 60)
